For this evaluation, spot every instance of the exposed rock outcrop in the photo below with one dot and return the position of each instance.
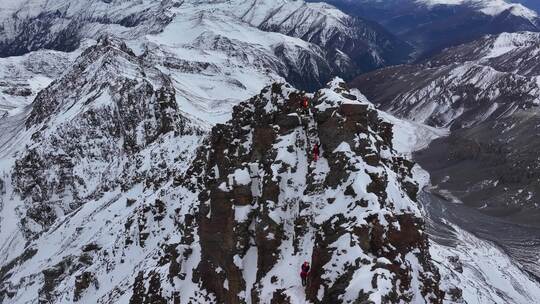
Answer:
(266, 205)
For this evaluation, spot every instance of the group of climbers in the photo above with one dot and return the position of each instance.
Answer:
(305, 268)
(304, 106)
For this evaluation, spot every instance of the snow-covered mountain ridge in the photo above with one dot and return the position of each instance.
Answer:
(143, 108)
(255, 173)
(463, 85)
(223, 46)
(36, 24)
(488, 7)
(155, 221)
(250, 204)
(432, 25)
(262, 162)
(348, 44)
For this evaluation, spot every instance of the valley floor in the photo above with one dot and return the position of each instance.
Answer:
(490, 259)
(500, 259)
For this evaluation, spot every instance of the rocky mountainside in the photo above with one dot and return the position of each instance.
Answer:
(158, 212)
(264, 196)
(115, 107)
(492, 166)
(109, 125)
(367, 44)
(464, 85)
(134, 203)
(432, 25)
(33, 25)
(24, 76)
(219, 52)
(487, 92)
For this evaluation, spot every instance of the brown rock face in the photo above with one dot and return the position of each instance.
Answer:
(222, 237)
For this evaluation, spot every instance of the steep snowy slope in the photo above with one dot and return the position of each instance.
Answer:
(21, 78)
(258, 172)
(114, 188)
(83, 135)
(252, 206)
(367, 44)
(233, 220)
(217, 54)
(37, 24)
(476, 271)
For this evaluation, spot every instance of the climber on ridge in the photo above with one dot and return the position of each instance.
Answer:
(304, 273)
(316, 152)
(305, 103)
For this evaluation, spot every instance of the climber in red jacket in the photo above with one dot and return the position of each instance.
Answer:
(305, 103)
(304, 273)
(316, 152)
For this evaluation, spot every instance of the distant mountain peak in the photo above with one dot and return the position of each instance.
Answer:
(488, 7)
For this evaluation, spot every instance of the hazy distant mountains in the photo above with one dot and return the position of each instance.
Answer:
(433, 25)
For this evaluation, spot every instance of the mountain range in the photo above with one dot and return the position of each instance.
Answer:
(432, 25)
(202, 151)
